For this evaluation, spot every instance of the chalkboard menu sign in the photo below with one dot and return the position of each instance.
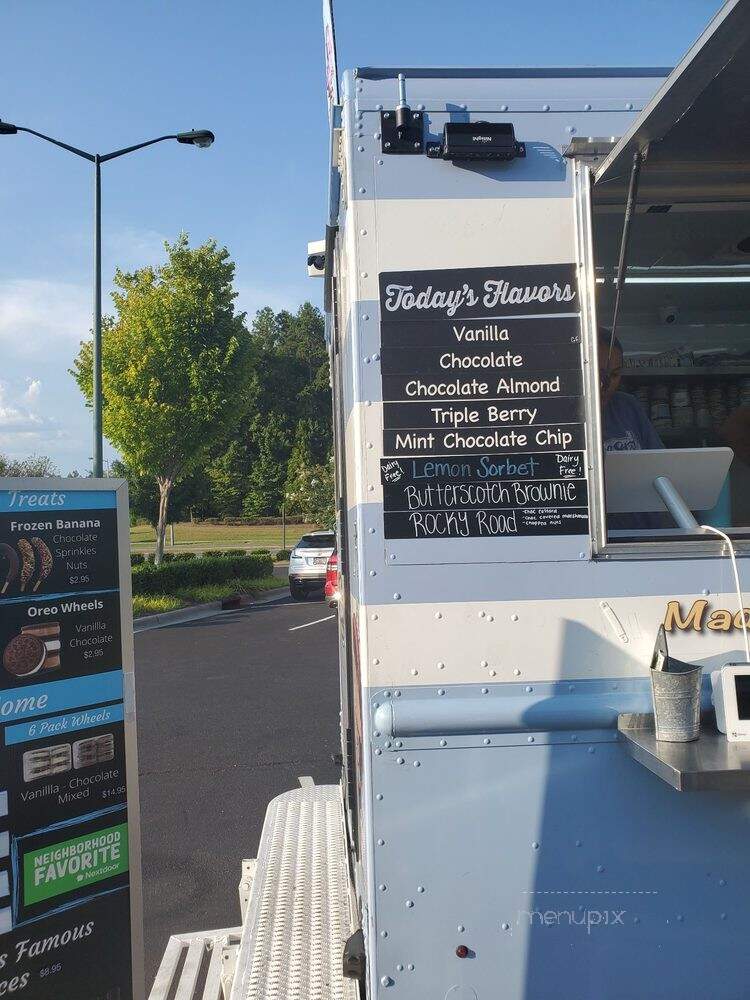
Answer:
(67, 858)
(483, 421)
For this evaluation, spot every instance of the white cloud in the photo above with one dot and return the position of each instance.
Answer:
(33, 388)
(38, 317)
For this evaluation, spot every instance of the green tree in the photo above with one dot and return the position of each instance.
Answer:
(175, 362)
(265, 488)
(313, 494)
(227, 477)
(37, 466)
(300, 460)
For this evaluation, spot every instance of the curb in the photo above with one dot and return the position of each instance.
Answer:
(199, 611)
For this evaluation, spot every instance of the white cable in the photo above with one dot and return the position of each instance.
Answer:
(728, 540)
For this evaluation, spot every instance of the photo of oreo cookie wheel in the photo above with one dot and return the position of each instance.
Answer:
(24, 655)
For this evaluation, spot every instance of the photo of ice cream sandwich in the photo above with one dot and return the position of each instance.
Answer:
(45, 762)
(49, 633)
(24, 655)
(95, 750)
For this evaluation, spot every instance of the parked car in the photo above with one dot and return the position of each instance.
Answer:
(308, 561)
(332, 581)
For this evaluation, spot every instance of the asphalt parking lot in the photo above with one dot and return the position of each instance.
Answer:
(231, 710)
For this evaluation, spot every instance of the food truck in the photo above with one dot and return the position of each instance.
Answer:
(537, 286)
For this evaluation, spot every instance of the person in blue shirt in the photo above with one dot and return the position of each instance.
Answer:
(625, 425)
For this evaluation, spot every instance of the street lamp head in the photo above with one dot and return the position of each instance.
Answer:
(7, 129)
(198, 137)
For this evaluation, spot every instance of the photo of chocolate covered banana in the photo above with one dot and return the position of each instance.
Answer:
(43, 560)
(28, 561)
(10, 565)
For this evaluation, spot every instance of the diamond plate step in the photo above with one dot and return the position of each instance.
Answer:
(300, 909)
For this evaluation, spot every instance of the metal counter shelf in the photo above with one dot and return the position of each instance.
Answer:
(710, 763)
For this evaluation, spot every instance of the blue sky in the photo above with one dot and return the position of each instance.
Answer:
(105, 75)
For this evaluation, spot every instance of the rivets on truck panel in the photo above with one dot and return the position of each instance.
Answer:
(397, 597)
(414, 671)
(529, 739)
(516, 672)
(380, 163)
(381, 842)
(483, 663)
(600, 869)
(399, 967)
(587, 107)
(591, 750)
(385, 980)
(441, 691)
(363, 232)
(371, 489)
(366, 359)
(378, 752)
(420, 888)
(514, 618)
(376, 661)
(486, 741)
(528, 689)
(535, 846)
(570, 128)
(384, 934)
(363, 190)
(438, 615)
(409, 903)
(503, 107)
(400, 760)
(485, 690)
(399, 743)
(505, 927)
(371, 531)
(705, 591)
(379, 796)
(410, 967)
(386, 694)
(382, 887)
(373, 618)
(398, 695)
(417, 763)
(493, 673)
(378, 107)
(369, 444)
(420, 107)
(441, 665)
(481, 614)
(545, 107)
(444, 743)
(628, 106)
(460, 928)
(360, 149)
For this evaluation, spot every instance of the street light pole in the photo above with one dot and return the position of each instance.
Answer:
(97, 353)
(197, 137)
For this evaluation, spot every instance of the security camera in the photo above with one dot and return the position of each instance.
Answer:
(668, 314)
(316, 259)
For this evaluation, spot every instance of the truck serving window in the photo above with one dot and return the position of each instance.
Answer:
(671, 246)
(675, 381)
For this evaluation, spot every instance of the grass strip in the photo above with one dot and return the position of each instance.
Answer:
(151, 604)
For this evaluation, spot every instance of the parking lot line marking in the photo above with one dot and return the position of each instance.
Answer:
(308, 624)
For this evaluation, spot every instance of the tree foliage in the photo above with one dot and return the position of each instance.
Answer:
(175, 364)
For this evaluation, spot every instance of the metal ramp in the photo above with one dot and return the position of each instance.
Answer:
(297, 912)
(300, 910)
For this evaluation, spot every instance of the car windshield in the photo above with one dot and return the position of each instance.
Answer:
(323, 541)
